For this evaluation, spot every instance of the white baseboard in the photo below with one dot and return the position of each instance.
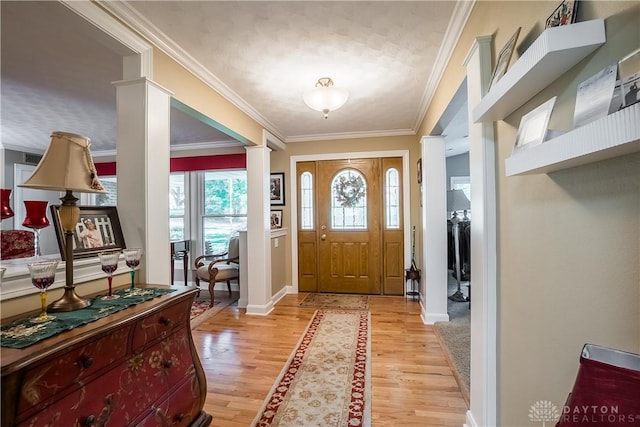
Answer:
(243, 302)
(278, 296)
(471, 422)
(431, 318)
(260, 310)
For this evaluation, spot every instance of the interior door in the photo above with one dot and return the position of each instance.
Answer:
(349, 228)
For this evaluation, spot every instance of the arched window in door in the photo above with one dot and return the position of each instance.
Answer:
(349, 201)
(392, 198)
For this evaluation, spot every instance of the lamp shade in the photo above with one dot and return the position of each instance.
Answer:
(66, 165)
(457, 201)
(325, 97)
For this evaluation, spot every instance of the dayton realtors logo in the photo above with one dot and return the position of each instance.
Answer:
(580, 415)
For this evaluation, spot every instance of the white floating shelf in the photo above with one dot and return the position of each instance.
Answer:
(612, 136)
(556, 51)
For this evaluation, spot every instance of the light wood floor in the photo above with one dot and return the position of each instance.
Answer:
(412, 384)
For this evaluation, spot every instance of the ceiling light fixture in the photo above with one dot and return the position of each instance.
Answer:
(325, 97)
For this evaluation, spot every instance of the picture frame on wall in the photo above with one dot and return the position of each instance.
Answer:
(533, 126)
(98, 229)
(564, 14)
(504, 57)
(276, 189)
(276, 219)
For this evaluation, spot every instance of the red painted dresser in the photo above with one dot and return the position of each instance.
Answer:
(136, 367)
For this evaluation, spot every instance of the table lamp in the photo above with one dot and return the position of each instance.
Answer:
(5, 206)
(67, 166)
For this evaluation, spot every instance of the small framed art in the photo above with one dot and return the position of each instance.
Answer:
(503, 58)
(276, 219)
(98, 229)
(276, 189)
(533, 126)
(564, 14)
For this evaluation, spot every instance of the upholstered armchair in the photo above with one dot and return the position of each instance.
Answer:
(223, 267)
(17, 244)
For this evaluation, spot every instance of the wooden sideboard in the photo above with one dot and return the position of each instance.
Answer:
(136, 367)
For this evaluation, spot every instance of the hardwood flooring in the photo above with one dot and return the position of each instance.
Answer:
(412, 383)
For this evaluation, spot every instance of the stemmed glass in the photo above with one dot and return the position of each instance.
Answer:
(109, 262)
(132, 257)
(43, 274)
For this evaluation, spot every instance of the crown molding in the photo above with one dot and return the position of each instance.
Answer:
(458, 20)
(131, 17)
(351, 135)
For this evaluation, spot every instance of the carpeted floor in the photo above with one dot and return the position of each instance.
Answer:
(336, 301)
(456, 333)
(327, 379)
(200, 310)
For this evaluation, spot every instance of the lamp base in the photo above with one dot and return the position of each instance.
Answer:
(70, 301)
(458, 297)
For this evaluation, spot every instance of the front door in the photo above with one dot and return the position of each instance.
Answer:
(347, 245)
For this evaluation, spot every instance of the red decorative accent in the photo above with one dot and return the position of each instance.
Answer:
(186, 164)
(5, 207)
(17, 244)
(36, 214)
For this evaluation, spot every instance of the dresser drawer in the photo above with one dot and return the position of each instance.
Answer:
(160, 324)
(69, 370)
(179, 409)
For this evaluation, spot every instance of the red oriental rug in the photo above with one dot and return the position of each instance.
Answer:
(327, 379)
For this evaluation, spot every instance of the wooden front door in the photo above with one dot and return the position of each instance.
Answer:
(346, 247)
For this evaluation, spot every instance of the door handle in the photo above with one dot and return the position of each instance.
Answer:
(323, 227)
(324, 236)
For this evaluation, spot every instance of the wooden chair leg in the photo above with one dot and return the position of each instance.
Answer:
(211, 286)
(229, 286)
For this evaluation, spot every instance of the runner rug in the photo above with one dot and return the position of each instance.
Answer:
(327, 379)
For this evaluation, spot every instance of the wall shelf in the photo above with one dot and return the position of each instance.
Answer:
(612, 136)
(553, 53)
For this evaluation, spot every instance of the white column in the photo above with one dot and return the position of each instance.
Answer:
(434, 230)
(258, 231)
(482, 161)
(142, 162)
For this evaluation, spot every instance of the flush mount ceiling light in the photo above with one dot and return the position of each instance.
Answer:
(325, 97)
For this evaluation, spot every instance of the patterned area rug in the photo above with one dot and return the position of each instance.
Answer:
(200, 310)
(327, 379)
(336, 301)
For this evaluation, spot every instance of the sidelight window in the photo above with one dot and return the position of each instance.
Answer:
(392, 198)
(306, 205)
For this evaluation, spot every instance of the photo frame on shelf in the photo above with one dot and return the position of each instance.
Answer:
(276, 219)
(564, 14)
(504, 57)
(533, 126)
(98, 229)
(276, 189)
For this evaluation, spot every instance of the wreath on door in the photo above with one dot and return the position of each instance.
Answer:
(349, 190)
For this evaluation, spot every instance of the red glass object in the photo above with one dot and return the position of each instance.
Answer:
(36, 214)
(5, 207)
(36, 219)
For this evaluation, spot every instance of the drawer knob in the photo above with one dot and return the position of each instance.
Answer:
(86, 362)
(168, 364)
(89, 421)
(165, 321)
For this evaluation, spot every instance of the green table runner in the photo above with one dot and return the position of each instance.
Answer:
(22, 333)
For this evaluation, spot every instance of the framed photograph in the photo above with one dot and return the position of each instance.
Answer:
(533, 126)
(276, 219)
(276, 189)
(503, 58)
(564, 14)
(419, 171)
(98, 229)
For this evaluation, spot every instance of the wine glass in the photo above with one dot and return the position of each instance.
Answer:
(109, 263)
(43, 274)
(132, 257)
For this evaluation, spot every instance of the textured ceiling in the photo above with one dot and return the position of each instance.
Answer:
(265, 53)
